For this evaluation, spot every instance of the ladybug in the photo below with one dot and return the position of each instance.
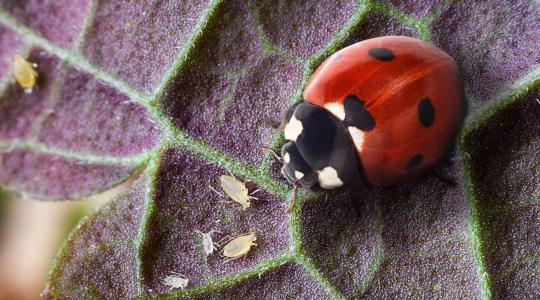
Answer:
(380, 112)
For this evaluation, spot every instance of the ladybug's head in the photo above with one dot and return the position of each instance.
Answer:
(320, 151)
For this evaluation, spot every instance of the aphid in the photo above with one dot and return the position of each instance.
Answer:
(24, 73)
(239, 246)
(236, 190)
(208, 244)
(176, 280)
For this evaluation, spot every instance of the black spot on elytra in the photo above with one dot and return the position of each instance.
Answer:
(383, 54)
(356, 114)
(414, 162)
(426, 112)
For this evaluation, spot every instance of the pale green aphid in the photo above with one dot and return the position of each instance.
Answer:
(176, 280)
(240, 245)
(236, 190)
(208, 244)
(24, 73)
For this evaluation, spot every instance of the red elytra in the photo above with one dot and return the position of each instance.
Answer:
(414, 94)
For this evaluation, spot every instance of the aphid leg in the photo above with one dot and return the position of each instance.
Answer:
(227, 202)
(293, 197)
(256, 198)
(444, 179)
(224, 240)
(270, 150)
(235, 258)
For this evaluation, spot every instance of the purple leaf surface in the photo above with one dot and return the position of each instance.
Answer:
(179, 91)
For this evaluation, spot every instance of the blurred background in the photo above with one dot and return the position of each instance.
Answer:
(31, 232)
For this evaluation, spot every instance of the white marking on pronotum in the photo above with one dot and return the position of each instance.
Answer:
(176, 280)
(293, 129)
(299, 175)
(357, 137)
(239, 246)
(24, 73)
(208, 244)
(336, 109)
(328, 178)
(286, 158)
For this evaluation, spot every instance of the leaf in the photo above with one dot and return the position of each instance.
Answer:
(181, 89)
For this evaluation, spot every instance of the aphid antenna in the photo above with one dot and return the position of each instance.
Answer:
(270, 150)
(228, 170)
(179, 274)
(216, 191)
(209, 232)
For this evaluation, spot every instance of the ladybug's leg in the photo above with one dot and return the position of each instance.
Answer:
(357, 207)
(293, 197)
(270, 123)
(444, 179)
(270, 150)
(445, 163)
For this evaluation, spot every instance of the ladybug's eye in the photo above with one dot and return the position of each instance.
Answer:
(295, 168)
